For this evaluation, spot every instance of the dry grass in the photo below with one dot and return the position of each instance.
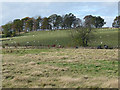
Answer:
(65, 68)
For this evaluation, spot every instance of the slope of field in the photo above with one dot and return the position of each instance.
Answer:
(62, 37)
(60, 68)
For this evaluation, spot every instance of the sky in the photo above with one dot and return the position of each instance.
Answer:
(18, 10)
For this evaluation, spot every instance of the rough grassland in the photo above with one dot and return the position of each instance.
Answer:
(64, 68)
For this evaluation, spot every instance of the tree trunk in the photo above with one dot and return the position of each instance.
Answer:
(83, 42)
(86, 43)
(19, 32)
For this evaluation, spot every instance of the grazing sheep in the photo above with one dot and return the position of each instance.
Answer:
(111, 48)
(99, 47)
(59, 46)
(76, 47)
(105, 46)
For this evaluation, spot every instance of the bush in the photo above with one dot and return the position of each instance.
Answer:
(81, 35)
(3, 46)
(13, 34)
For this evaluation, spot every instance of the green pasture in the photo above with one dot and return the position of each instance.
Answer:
(62, 37)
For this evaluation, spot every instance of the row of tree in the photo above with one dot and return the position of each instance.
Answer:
(52, 22)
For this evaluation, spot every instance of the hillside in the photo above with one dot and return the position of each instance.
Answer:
(62, 37)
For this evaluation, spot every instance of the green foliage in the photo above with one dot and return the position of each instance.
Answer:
(68, 20)
(24, 20)
(29, 24)
(116, 22)
(3, 46)
(13, 34)
(7, 29)
(38, 22)
(58, 22)
(94, 21)
(99, 22)
(52, 20)
(81, 35)
(17, 26)
(45, 23)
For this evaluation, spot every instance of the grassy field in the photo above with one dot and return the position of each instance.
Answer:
(62, 37)
(60, 68)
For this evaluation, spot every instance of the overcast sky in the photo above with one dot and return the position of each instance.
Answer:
(18, 10)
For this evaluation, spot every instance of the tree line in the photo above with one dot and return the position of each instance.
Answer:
(53, 22)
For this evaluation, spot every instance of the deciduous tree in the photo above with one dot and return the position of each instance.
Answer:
(7, 29)
(17, 25)
(39, 22)
(45, 24)
(116, 22)
(29, 24)
(93, 21)
(81, 35)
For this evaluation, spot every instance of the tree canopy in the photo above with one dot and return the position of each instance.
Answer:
(54, 21)
(94, 21)
(116, 22)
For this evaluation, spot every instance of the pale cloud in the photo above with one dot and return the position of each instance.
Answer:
(88, 10)
(0, 13)
(59, 0)
(108, 20)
